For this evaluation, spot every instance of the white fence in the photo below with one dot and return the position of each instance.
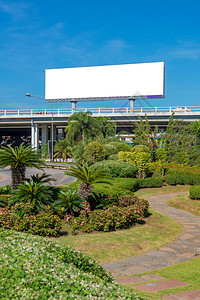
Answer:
(101, 111)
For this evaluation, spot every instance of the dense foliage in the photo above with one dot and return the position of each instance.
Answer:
(195, 192)
(37, 268)
(117, 168)
(127, 211)
(178, 176)
(22, 217)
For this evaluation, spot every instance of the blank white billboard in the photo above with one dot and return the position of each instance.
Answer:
(105, 82)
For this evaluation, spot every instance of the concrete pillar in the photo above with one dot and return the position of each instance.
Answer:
(132, 104)
(73, 106)
(60, 133)
(34, 136)
(44, 134)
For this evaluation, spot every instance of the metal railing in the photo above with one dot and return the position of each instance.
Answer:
(100, 111)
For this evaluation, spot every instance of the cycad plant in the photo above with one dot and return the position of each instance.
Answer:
(41, 178)
(18, 158)
(88, 176)
(69, 201)
(34, 193)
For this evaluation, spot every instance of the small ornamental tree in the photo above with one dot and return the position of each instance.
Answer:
(94, 152)
(88, 176)
(126, 156)
(143, 162)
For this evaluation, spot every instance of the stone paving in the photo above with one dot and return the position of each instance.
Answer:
(185, 247)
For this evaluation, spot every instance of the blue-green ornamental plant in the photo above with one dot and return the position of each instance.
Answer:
(32, 268)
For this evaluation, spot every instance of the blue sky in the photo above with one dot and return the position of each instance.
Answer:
(36, 35)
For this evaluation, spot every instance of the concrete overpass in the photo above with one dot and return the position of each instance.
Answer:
(37, 123)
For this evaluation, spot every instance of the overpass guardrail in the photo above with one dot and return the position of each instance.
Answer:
(100, 111)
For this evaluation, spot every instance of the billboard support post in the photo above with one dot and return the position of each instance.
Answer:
(132, 104)
(73, 106)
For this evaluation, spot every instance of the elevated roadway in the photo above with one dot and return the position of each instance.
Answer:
(37, 122)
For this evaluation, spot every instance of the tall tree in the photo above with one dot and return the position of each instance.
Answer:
(142, 132)
(18, 158)
(81, 126)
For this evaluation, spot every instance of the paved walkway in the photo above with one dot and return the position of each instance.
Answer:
(57, 174)
(185, 247)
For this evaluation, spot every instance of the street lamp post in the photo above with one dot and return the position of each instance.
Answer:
(52, 135)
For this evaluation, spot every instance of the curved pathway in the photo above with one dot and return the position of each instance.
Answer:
(185, 247)
(57, 174)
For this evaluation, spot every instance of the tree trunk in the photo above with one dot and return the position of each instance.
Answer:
(85, 190)
(17, 176)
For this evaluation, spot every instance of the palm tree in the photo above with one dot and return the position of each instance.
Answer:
(70, 201)
(32, 192)
(18, 158)
(41, 178)
(63, 150)
(81, 125)
(88, 176)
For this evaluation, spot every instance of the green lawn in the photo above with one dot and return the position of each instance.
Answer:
(157, 230)
(185, 203)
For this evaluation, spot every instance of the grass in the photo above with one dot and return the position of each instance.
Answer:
(188, 271)
(185, 203)
(163, 190)
(157, 230)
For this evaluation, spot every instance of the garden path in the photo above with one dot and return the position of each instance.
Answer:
(183, 248)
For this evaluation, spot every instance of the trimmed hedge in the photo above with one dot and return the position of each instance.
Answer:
(150, 183)
(174, 177)
(131, 184)
(117, 168)
(195, 192)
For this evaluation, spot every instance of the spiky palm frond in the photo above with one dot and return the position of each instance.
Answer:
(70, 201)
(87, 174)
(32, 192)
(18, 158)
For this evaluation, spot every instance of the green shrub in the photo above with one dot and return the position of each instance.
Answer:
(117, 168)
(195, 192)
(121, 146)
(131, 184)
(149, 183)
(140, 148)
(22, 217)
(129, 171)
(113, 157)
(5, 190)
(110, 150)
(175, 179)
(94, 152)
(4, 200)
(109, 219)
(37, 268)
(178, 176)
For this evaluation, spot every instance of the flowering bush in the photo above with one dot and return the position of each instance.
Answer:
(111, 218)
(4, 199)
(21, 217)
(33, 267)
